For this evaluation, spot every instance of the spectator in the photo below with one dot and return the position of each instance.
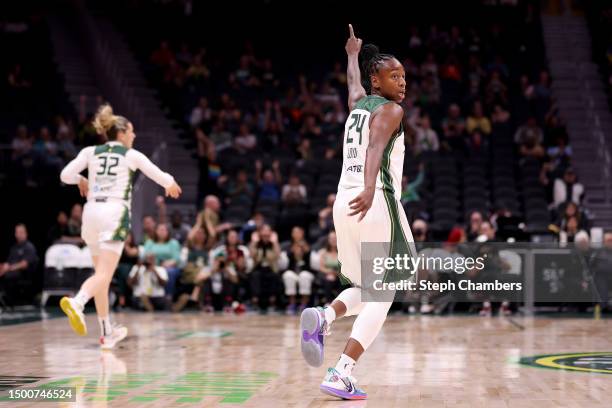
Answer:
(294, 192)
(22, 260)
(453, 127)
(167, 253)
(201, 115)
(219, 287)
(129, 258)
(245, 141)
(496, 91)
(529, 132)
(531, 148)
(426, 137)
(298, 278)
(298, 237)
(500, 115)
(477, 121)
(326, 215)
(147, 282)
(419, 231)
(195, 272)
(571, 210)
(330, 268)
(473, 229)
(560, 155)
(487, 232)
(59, 231)
(74, 223)
(240, 189)
(148, 228)
(238, 259)
(163, 55)
(567, 189)
(268, 184)
(179, 230)
(264, 278)
(209, 219)
(303, 150)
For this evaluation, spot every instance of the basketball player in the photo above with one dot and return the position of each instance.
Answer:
(106, 217)
(367, 208)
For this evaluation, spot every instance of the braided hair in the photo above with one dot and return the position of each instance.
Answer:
(371, 61)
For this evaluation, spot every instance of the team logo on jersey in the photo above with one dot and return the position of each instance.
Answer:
(597, 362)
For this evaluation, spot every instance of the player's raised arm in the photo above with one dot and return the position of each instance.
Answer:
(353, 75)
(385, 121)
(149, 169)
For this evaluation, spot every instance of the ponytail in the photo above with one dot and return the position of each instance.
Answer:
(108, 124)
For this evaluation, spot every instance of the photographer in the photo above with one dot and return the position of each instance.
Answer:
(147, 282)
(266, 252)
(195, 271)
(220, 285)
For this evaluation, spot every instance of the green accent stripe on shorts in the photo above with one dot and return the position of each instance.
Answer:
(122, 230)
(398, 242)
(343, 278)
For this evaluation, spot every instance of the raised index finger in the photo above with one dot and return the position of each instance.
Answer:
(351, 32)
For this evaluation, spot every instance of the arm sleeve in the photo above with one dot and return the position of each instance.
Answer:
(140, 162)
(71, 173)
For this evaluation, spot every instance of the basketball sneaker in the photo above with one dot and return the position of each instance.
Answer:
(75, 315)
(109, 342)
(342, 387)
(312, 329)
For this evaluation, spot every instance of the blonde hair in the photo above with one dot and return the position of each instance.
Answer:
(108, 124)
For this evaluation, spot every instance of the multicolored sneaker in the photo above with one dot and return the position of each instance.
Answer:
(75, 315)
(312, 329)
(109, 342)
(342, 387)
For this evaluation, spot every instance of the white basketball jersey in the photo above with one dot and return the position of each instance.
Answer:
(110, 173)
(355, 144)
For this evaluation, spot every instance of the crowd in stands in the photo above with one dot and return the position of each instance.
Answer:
(268, 144)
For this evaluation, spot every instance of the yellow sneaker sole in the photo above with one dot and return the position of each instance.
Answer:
(75, 322)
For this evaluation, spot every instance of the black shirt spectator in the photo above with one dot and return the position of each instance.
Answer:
(22, 260)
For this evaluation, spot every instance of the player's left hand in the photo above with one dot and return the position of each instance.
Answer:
(362, 203)
(83, 186)
(353, 44)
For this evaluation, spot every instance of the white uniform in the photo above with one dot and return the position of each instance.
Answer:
(111, 168)
(386, 220)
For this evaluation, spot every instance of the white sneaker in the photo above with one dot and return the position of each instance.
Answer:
(342, 387)
(108, 342)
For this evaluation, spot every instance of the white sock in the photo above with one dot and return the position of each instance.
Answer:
(345, 365)
(82, 298)
(105, 326)
(330, 315)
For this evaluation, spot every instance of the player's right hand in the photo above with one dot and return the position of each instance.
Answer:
(174, 190)
(362, 203)
(353, 44)
(83, 186)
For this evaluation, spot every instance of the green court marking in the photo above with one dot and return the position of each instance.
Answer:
(592, 362)
(190, 388)
(215, 334)
(232, 387)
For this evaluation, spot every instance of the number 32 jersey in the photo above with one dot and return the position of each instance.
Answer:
(111, 168)
(356, 140)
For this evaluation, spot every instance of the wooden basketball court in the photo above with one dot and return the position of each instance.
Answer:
(254, 361)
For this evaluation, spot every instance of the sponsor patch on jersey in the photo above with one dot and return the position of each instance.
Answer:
(356, 168)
